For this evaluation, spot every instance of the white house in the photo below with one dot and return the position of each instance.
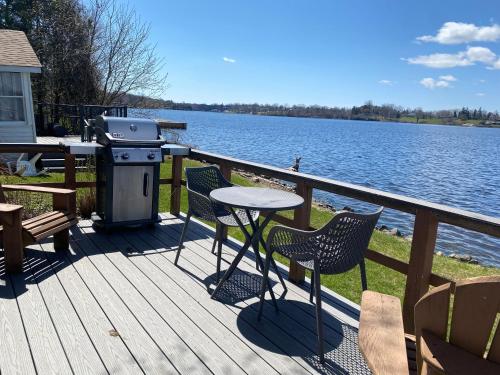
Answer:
(17, 62)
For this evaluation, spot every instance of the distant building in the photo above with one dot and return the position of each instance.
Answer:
(17, 62)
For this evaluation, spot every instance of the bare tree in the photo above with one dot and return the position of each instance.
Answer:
(124, 58)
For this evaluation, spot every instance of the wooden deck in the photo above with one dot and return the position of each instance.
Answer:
(117, 304)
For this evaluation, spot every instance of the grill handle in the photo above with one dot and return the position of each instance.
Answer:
(145, 184)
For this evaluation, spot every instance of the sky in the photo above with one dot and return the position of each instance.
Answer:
(431, 54)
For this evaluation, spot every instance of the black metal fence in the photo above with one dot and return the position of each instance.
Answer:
(60, 119)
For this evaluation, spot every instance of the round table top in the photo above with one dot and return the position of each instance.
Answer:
(256, 198)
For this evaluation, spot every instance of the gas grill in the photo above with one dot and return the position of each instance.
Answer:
(128, 171)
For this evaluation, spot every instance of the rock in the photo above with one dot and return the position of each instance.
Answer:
(347, 208)
(439, 253)
(409, 238)
(395, 232)
(383, 228)
(463, 258)
(256, 179)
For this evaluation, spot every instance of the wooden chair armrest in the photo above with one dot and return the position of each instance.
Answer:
(381, 334)
(37, 189)
(9, 213)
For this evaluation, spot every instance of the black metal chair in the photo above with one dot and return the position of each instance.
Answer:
(200, 181)
(336, 248)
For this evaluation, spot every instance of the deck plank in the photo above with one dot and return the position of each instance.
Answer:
(147, 354)
(201, 344)
(47, 351)
(15, 355)
(175, 349)
(112, 350)
(79, 350)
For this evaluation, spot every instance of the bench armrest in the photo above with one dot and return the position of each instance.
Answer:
(37, 189)
(381, 334)
(10, 213)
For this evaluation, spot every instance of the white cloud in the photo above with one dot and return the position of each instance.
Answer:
(440, 60)
(448, 78)
(463, 58)
(481, 54)
(459, 32)
(495, 65)
(228, 60)
(480, 94)
(432, 83)
(386, 82)
(482, 81)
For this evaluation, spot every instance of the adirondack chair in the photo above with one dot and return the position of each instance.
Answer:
(16, 234)
(476, 305)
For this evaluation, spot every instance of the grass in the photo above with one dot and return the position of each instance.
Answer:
(380, 278)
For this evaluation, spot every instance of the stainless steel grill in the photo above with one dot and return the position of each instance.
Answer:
(128, 171)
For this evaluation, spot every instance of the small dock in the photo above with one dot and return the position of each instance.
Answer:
(170, 124)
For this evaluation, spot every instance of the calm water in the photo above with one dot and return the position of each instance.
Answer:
(455, 166)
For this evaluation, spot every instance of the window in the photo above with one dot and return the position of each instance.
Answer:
(11, 97)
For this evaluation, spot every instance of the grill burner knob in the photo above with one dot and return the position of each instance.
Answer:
(151, 155)
(125, 156)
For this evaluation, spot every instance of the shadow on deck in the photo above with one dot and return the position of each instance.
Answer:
(116, 303)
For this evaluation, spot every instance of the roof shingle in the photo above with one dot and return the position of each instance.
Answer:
(16, 50)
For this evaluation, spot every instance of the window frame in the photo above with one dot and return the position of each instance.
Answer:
(23, 98)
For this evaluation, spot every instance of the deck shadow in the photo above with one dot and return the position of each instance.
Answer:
(239, 287)
(342, 355)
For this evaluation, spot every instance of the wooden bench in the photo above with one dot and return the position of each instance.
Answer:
(381, 335)
(16, 234)
(470, 323)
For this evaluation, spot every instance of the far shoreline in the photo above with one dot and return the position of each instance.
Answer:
(397, 121)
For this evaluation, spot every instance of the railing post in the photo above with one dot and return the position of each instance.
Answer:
(175, 189)
(301, 219)
(70, 176)
(225, 169)
(420, 264)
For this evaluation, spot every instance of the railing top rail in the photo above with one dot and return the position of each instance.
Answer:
(446, 214)
(30, 147)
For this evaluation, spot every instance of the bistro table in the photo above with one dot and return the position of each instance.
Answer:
(253, 199)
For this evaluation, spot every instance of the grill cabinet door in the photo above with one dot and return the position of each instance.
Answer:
(132, 192)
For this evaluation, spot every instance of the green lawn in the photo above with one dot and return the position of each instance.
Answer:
(380, 278)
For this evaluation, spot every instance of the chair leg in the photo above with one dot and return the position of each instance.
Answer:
(61, 240)
(362, 269)
(220, 234)
(319, 314)
(311, 292)
(264, 284)
(183, 234)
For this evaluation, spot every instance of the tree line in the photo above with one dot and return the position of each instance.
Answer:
(368, 111)
(92, 52)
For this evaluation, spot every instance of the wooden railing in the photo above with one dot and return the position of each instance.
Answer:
(427, 215)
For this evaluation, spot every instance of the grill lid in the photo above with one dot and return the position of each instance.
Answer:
(127, 129)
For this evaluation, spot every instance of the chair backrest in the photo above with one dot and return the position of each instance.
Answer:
(344, 240)
(205, 179)
(476, 305)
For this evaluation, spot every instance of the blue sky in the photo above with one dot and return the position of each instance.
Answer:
(430, 54)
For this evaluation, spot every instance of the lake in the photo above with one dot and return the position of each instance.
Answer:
(456, 166)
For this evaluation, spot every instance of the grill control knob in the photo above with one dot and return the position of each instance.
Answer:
(151, 155)
(125, 156)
